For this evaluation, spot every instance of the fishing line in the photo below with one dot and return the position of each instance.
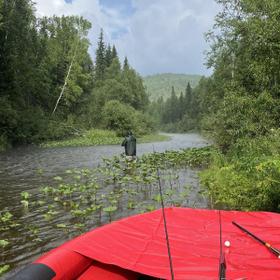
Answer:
(164, 222)
(222, 262)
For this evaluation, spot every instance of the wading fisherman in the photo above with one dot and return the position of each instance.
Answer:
(129, 144)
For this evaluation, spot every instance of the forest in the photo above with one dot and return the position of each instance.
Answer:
(49, 86)
(238, 106)
(160, 85)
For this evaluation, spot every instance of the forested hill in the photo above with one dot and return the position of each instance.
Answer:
(161, 84)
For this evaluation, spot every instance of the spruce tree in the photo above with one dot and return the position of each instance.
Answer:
(100, 63)
(125, 64)
(188, 98)
(114, 70)
(181, 106)
(114, 52)
(174, 106)
(108, 56)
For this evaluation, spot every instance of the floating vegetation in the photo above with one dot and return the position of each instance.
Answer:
(4, 243)
(80, 200)
(4, 269)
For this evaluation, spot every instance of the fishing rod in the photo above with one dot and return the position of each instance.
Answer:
(273, 250)
(164, 221)
(222, 262)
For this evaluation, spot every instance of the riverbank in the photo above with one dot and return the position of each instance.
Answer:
(95, 137)
(247, 176)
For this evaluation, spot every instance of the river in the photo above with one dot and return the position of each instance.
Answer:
(28, 168)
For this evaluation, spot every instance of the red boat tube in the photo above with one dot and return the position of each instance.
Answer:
(134, 247)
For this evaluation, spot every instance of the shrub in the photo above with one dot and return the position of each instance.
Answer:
(122, 118)
(248, 177)
(3, 143)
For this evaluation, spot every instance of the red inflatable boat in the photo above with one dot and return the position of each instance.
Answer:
(136, 248)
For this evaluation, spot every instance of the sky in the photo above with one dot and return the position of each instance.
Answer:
(157, 36)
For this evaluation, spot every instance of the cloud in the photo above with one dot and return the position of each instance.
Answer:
(157, 36)
(167, 36)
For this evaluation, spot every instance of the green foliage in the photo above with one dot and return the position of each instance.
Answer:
(176, 114)
(4, 269)
(100, 59)
(245, 116)
(31, 126)
(96, 137)
(92, 137)
(119, 117)
(122, 118)
(160, 85)
(6, 217)
(248, 177)
(3, 143)
(116, 84)
(4, 243)
(241, 98)
(239, 106)
(57, 130)
(36, 55)
(50, 89)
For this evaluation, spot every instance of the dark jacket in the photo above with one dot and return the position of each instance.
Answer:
(129, 144)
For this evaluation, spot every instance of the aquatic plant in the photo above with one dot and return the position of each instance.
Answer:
(4, 269)
(4, 243)
(80, 199)
(110, 210)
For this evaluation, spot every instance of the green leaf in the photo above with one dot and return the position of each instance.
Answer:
(61, 226)
(4, 243)
(25, 195)
(110, 209)
(25, 203)
(4, 269)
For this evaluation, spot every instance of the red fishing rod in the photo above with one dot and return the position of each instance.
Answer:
(273, 250)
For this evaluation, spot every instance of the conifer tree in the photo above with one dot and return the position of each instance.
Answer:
(108, 56)
(100, 64)
(125, 64)
(188, 98)
(181, 108)
(114, 52)
(174, 106)
(17, 64)
(114, 70)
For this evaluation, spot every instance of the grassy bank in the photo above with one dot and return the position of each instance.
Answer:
(96, 137)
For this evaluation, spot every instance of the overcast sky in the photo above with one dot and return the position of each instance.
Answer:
(157, 36)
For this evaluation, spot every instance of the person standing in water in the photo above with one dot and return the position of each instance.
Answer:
(129, 144)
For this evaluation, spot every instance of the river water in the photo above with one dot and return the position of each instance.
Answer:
(28, 168)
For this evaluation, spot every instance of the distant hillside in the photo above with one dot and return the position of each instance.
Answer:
(161, 84)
